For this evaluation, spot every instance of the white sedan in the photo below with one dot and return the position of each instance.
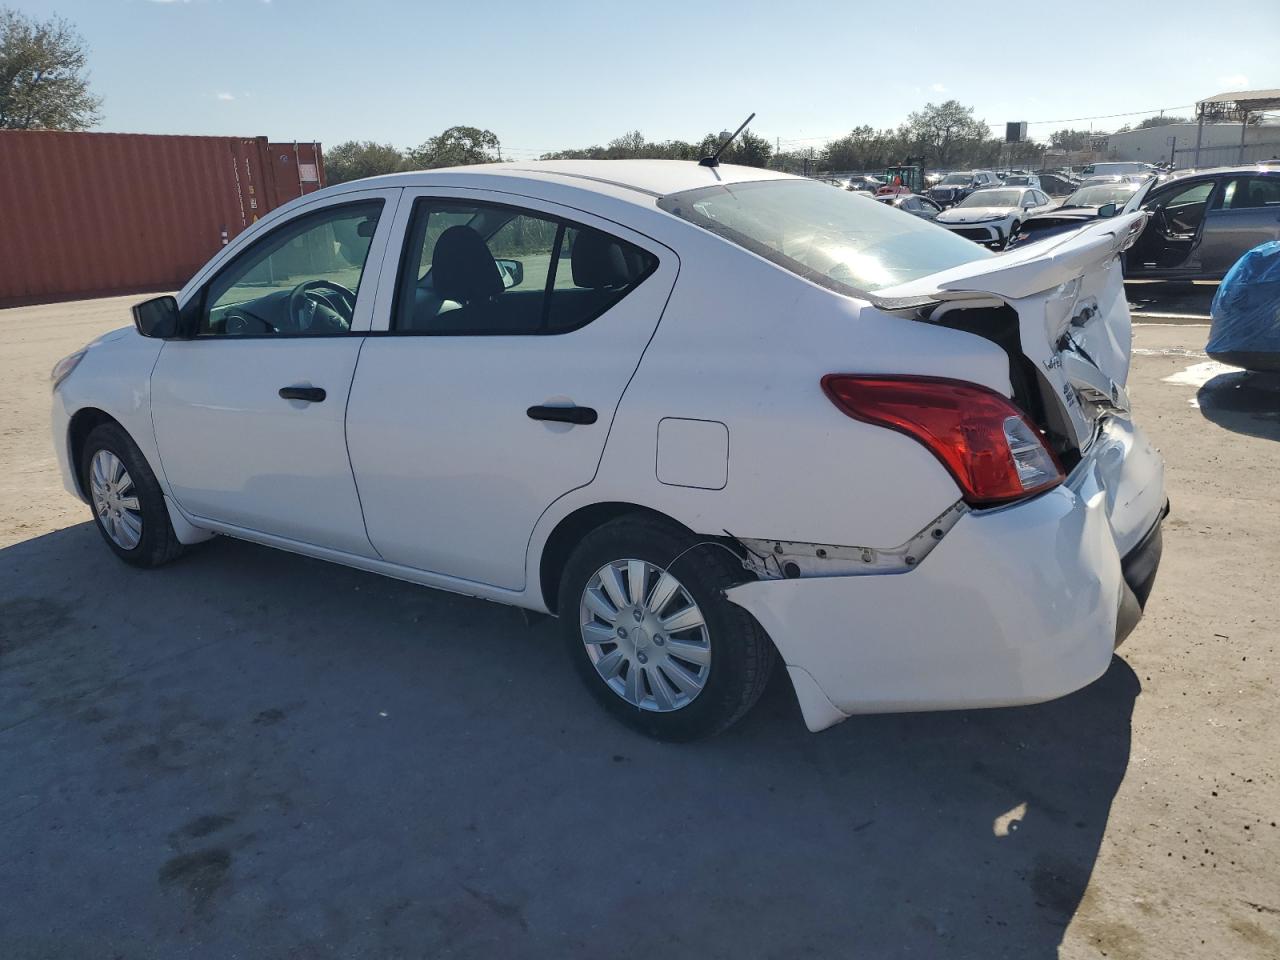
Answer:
(711, 418)
(993, 216)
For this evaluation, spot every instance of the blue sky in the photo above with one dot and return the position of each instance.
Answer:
(545, 75)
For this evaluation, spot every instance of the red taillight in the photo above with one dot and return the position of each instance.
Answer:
(991, 449)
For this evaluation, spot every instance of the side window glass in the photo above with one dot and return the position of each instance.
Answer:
(595, 271)
(1198, 193)
(530, 243)
(301, 279)
(1184, 210)
(1248, 193)
(479, 269)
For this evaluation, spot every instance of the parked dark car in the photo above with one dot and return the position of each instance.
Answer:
(1056, 185)
(954, 187)
(1086, 204)
(1202, 223)
(864, 184)
(912, 203)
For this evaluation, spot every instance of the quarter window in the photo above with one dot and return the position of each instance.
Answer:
(483, 269)
(302, 279)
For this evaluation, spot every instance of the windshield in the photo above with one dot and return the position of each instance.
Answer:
(955, 179)
(836, 239)
(1017, 181)
(1096, 196)
(992, 198)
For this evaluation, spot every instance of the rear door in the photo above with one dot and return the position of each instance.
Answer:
(1245, 213)
(510, 332)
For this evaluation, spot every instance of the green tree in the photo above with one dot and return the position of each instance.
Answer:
(43, 84)
(1068, 139)
(1161, 121)
(457, 147)
(748, 149)
(866, 148)
(629, 146)
(946, 132)
(355, 159)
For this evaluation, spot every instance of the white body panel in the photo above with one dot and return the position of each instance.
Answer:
(1015, 605)
(235, 452)
(452, 471)
(422, 464)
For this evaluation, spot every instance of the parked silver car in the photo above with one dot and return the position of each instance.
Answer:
(1202, 223)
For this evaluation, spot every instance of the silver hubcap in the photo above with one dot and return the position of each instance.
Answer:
(115, 500)
(645, 635)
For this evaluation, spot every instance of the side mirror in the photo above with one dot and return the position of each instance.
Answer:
(1107, 210)
(158, 317)
(512, 272)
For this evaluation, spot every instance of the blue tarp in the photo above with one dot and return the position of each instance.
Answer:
(1246, 312)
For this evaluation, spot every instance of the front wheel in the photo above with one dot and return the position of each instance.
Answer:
(650, 631)
(128, 506)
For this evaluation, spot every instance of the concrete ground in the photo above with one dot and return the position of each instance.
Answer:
(250, 754)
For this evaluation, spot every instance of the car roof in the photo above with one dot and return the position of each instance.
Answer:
(1207, 171)
(643, 179)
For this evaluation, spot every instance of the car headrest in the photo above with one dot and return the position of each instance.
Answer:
(462, 268)
(598, 261)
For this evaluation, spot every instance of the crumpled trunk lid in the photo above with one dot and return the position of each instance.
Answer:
(1073, 315)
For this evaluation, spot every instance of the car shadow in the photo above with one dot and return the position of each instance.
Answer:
(250, 751)
(1171, 298)
(1243, 401)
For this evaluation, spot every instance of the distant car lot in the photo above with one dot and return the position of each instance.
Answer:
(274, 756)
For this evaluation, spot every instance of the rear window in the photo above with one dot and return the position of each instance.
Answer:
(839, 240)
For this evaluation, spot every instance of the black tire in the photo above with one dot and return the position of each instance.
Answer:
(742, 655)
(158, 545)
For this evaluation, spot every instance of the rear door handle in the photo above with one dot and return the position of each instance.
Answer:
(309, 394)
(582, 415)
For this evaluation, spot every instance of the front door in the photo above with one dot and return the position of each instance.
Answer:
(1168, 244)
(249, 413)
(515, 328)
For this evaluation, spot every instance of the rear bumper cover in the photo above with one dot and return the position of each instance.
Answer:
(1138, 568)
(1016, 605)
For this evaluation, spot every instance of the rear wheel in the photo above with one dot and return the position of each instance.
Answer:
(648, 627)
(128, 506)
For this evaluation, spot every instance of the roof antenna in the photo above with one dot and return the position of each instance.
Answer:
(714, 159)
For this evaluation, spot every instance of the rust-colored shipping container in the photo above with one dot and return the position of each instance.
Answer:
(91, 214)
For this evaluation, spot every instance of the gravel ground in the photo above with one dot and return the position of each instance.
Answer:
(251, 754)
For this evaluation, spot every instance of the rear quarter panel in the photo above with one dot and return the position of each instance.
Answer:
(745, 343)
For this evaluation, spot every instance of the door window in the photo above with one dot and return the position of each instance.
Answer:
(1183, 211)
(301, 279)
(483, 269)
(1250, 193)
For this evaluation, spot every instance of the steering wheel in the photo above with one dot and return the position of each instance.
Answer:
(313, 312)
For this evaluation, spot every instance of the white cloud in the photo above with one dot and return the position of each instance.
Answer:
(938, 88)
(1236, 81)
(223, 95)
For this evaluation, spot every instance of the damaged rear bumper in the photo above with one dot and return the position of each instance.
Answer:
(1015, 605)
